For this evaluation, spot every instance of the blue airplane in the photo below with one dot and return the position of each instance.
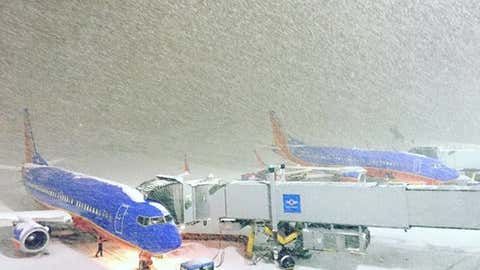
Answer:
(397, 166)
(105, 208)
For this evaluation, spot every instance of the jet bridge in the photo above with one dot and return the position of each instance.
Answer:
(366, 204)
(333, 215)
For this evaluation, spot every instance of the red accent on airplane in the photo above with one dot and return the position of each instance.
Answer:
(16, 244)
(186, 169)
(402, 176)
(348, 179)
(281, 141)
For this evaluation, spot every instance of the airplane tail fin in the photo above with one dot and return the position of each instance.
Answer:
(260, 161)
(31, 153)
(280, 138)
(186, 168)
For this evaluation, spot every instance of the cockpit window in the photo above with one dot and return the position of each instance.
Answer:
(147, 221)
(436, 165)
(157, 220)
(168, 218)
(142, 220)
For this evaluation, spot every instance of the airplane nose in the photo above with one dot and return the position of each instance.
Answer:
(453, 174)
(162, 238)
(174, 240)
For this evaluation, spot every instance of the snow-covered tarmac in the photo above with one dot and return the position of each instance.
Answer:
(390, 249)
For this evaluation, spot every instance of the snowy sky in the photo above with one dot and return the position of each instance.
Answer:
(148, 81)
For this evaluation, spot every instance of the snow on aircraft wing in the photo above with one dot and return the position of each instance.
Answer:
(6, 218)
(10, 168)
(333, 169)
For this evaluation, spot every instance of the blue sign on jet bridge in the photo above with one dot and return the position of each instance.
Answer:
(292, 203)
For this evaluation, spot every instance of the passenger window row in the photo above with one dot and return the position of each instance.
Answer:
(353, 161)
(93, 210)
(69, 200)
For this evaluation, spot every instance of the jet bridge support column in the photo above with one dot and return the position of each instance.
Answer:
(271, 196)
(273, 211)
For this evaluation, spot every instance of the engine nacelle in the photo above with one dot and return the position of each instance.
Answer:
(31, 237)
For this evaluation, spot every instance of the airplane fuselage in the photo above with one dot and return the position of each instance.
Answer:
(406, 167)
(110, 209)
(401, 166)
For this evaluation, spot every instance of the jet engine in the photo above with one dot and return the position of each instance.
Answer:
(30, 237)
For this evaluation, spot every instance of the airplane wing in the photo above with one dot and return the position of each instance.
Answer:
(10, 168)
(333, 169)
(55, 161)
(7, 218)
(19, 168)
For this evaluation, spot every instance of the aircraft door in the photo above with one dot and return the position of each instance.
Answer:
(417, 166)
(118, 222)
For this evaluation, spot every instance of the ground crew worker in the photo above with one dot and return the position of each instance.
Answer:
(100, 241)
(145, 261)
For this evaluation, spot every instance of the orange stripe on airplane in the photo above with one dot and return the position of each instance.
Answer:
(402, 176)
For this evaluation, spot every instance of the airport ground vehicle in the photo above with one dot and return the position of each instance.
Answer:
(198, 264)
